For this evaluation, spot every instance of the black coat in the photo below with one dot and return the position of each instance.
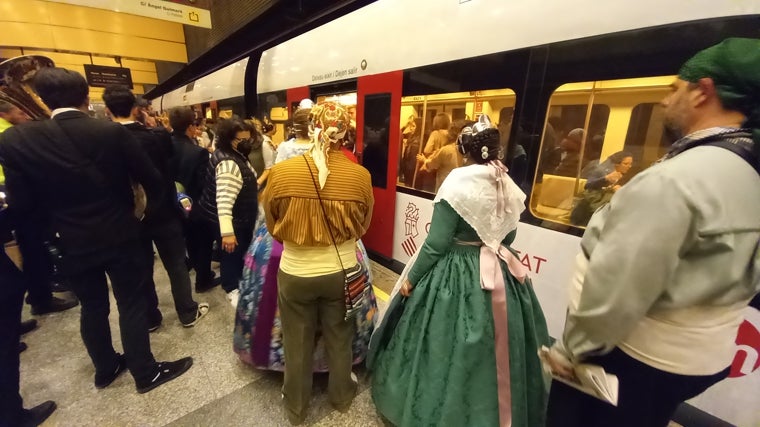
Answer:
(45, 176)
(157, 144)
(189, 164)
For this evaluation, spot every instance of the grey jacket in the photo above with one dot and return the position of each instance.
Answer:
(683, 233)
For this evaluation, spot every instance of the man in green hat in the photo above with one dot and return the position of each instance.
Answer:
(670, 264)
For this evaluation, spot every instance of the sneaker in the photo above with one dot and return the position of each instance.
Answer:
(37, 415)
(154, 327)
(203, 309)
(28, 326)
(105, 381)
(167, 371)
(233, 296)
(54, 305)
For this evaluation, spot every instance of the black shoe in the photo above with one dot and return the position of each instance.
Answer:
(28, 326)
(167, 371)
(37, 415)
(22, 347)
(106, 380)
(54, 305)
(207, 285)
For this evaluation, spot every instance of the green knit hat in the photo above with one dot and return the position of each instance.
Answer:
(734, 66)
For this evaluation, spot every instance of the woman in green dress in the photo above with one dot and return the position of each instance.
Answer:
(458, 343)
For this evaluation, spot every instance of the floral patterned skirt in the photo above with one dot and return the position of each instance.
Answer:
(258, 333)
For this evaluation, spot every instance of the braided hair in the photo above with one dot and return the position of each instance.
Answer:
(481, 147)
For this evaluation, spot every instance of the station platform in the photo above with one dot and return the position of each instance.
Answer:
(219, 390)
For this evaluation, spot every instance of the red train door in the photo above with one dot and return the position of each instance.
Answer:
(378, 112)
(295, 96)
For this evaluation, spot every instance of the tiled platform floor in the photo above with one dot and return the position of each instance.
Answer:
(218, 390)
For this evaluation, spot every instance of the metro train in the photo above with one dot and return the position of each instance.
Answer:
(539, 70)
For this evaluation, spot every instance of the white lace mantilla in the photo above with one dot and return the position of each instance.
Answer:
(486, 198)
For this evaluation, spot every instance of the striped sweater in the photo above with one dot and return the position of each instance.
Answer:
(229, 182)
(293, 211)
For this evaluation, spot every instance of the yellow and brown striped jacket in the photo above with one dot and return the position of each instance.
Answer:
(292, 207)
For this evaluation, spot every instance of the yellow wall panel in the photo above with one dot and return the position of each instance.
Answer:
(113, 22)
(79, 68)
(144, 77)
(31, 11)
(139, 65)
(118, 44)
(60, 57)
(9, 52)
(20, 34)
(45, 25)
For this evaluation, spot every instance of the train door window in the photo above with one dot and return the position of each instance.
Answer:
(274, 106)
(377, 118)
(430, 125)
(596, 137)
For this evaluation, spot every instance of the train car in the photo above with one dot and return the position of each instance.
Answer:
(593, 72)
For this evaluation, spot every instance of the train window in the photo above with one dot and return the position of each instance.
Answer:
(597, 136)
(646, 139)
(274, 105)
(430, 123)
(377, 118)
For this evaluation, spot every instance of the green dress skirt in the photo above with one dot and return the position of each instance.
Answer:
(432, 358)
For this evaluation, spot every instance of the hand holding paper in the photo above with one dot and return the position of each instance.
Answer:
(590, 379)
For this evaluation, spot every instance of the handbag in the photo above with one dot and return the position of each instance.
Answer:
(356, 283)
(138, 192)
(14, 254)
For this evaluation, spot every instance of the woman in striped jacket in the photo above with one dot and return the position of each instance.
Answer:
(229, 203)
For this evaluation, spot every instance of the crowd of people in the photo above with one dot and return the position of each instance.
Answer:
(661, 269)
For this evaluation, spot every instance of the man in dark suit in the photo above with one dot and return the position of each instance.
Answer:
(38, 274)
(189, 166)
(162, 225)
(12, 412)
(77, 171)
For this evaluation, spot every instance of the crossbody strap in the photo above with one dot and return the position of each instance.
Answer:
(324, 214)
(745, 154)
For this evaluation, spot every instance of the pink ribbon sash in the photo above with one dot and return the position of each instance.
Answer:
(491, 279)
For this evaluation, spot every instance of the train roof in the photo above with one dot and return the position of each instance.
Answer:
(391, 35)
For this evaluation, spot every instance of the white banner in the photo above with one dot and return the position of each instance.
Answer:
(158, 9)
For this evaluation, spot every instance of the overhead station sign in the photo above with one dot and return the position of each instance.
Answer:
(102, 76)
(158, 9)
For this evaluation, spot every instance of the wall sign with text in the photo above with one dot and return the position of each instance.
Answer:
(158, 9)
(102, 76)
